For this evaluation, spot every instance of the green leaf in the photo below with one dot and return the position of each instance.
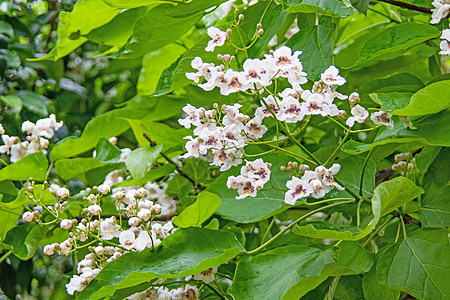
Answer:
(374, 290)
(6, 28)
(153, 65)
(394, 193)
(133, 3)
(13, 101)
(165, 81)
(76, 167)
(105, 125)
(360, 5)
(34, 102)
(391, 101)
(402, 82)
(353, 259)
(324, 230)
(435, 211)
(282, 273)
(429, 100)
(315, 42)
(107, 152)
(425, 158)
(197, 213)
(430, 131)
(186, 252)
(396, 38)
(419, 265)
(11, 211)
(139, 160)
(31, 166)
(24, 239)
(248, 210)
(332, 8)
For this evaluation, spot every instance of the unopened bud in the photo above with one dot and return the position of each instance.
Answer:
(354, 98)
(295, 165)
(219, 56)
(241, 17)
(258, 26)
(260, 31)
(229, 31)
(216, 105)
(402, 164)
(289, 168)
(303, 167)
(283, 168)
(394, 167)
(410, 166)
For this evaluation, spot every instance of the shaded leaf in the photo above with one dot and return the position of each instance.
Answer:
(374, 290)
(332, 8)
(24, 239)
(34, 166)
(197, 213)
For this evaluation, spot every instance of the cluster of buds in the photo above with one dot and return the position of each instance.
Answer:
(404, 161)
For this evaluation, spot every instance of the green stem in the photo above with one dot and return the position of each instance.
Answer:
(403, 227)
(378, 230)
(294, 223)
(5, 256)
(358, 213)
(3, 162)
(48, 171)
(337, 148)
(214, 290)
(363, 171)
(332, 288)
(296, 155)
(260, 154)
(268, 229)
(327, 200)
(398, 232)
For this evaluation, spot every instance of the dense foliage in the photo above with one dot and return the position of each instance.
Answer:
(213, 149)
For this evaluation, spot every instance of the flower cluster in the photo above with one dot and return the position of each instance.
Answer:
(187, 292)
(36, 140)
(404, 161)
(440, 10)
(445, 43)
(315, 183)
(254, 175)
(225, 138)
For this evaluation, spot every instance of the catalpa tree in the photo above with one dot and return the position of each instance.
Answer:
(289, 149)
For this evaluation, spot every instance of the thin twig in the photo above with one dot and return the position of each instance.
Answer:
(408, 6)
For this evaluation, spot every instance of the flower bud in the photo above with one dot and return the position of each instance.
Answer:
(144, 214)
(410, 166)
(229, 31)
(394, 167)
(62, 193)
(28, 216)
(157, 208)
(241, 17)
(219, 56)
(141, 193)
(402, 164)
(94, 209)
(119, 195)
(99, 250)
(226, 57)
(354, 98)
(104, 189)
(66, 224)
(258, 26)
(50, 249)
(260, 31)
(134, 222)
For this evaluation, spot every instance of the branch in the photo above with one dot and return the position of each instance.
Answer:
(408, 6)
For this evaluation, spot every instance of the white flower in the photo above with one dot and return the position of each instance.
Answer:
(76, 284)
(203, 69)
(440, 11)
(192, 147)
(193, 116)
(50, 249)
(8, 142)
(214, 77)
(18, 151)
(318, 104)
(127, 239)
(382, 118)
(284, 59)
(206, 276)
(2, 130)
(297, 189)
(231, 134)
(256, 170)
(134, 221)
(331, 76)
(290, 110)
(144, 214)
(255, 129)
(360, 115)
(218, 38)
(66, 246)
(231, 83)
(62, 193)
(211, 140)
(157, 208)
(104, 189)
(255, 72)
(225, 159)
(66, 224)
(264, 111)
(94, 209)
(445, 44)
(108, 230)
(327, 175)
(144, 241)
(28, 127)
(292, 92)
(141, 193)
(28, 216)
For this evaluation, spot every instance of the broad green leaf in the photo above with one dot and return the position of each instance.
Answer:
(11, 211)
(349, 287)
(400, 83)
(435, 211)
(179, 187)
(34, 102)
(24, 239)
(429, 100)
(394, 193)
(140, 159)
(353, 259)
(6, 28)
(391, 101)
(374, 290)
(332, 8)
(118, 30)
(282, 273)
(133, 3)
(418, 265)
(151, 175)
(153, 65)
(425, 158)
(105, 125)
(13, 101)
(76, 167)
(324, 230)
(248, 210)
(186, 252)
(31, 166)
(107, 152)
(165, 81)
(315, 42)
(360, 5)
(431, 130)
(396, 38)
(197, 213)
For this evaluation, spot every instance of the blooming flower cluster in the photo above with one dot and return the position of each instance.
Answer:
(254, 175)
(445, 43)
(36, 140)
(315, 183)
(440, 10)
(187, 292)
(226, 138)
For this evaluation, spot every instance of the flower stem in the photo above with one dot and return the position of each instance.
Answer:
(294, 223)
(378, 230)
(5, 256)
